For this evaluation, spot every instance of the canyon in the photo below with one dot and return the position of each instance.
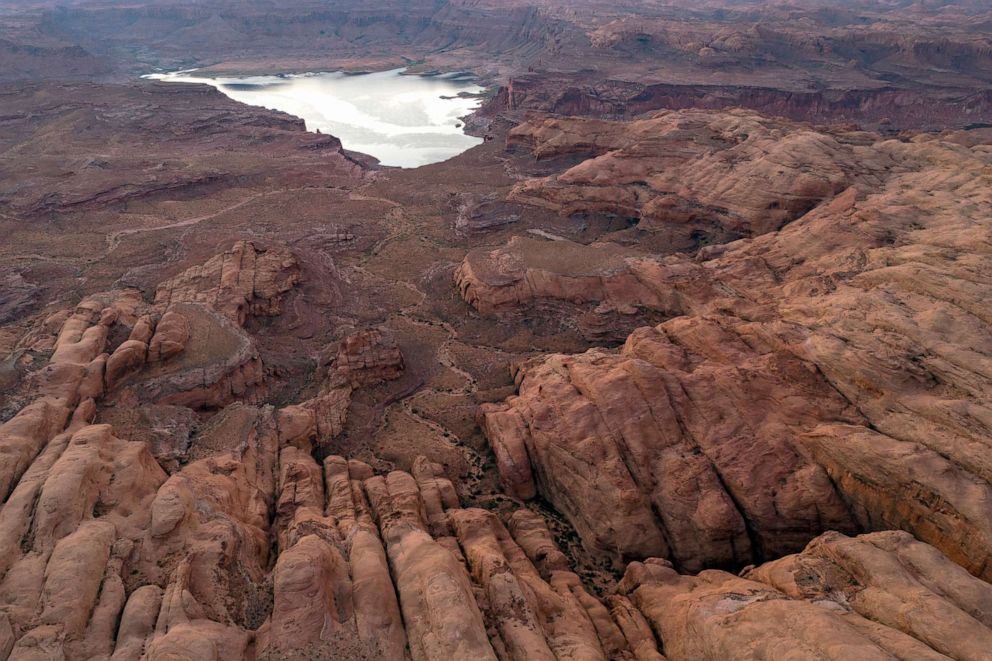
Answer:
(688, 358)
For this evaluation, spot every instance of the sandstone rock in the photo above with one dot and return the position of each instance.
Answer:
(171, 335)
(837, 599)
(746, 174)
(74, 574)
(242, 282)
(831, 374)
(521, 634)
(207, 640)
(58, 388)
(214, 514)
(23, 436)
(367, 357)
(610, 288)
(137, 622)
(127, 359)
(329, 411)
(647, 445)
(333, 582)
(852, 341)
(312, 591)
(220, 364)
(439, 610)
(924, 491)
(364, 358)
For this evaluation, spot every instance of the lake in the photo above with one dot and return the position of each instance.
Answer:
(402, 120)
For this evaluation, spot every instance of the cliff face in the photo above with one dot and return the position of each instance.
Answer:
(176, 34)
(881, 107)
(867, 62)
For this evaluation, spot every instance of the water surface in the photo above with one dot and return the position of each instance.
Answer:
(406, 121)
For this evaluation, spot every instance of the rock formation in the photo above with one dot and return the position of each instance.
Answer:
(254, 390)
(240, 283)
(606, 289)
(94, 530)
(835, 367)
(737, 171)
(387, 566)
(868, 597)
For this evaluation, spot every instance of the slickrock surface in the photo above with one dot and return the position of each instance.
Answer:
(671, 449)
(741, 172)
(832, 375)
(878, 596)
(254, 549)
(642, 376)
(606, 289)
(685, 179)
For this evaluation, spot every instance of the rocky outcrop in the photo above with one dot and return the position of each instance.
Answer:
(182, 561)
(189, 348)
(690, 179)
(603, 290)
(240, 283)
(652, 451)
(390, 566)
(171, 335)
(250, 543)
(727, 174)
(842, 359)
(59, 390)
(465, 582)
(877, 596)
(93, 531)
(221, 366)
(366, 357)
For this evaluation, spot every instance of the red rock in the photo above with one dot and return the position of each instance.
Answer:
(127, 359)
(243, 282)
(735, 169)
(821, 353)
(171, 335)
(839, 597)
(367, 357)
(309, 581)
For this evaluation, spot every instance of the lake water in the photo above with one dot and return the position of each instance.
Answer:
(405, 121)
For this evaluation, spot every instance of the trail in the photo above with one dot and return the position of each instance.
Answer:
(114, 240)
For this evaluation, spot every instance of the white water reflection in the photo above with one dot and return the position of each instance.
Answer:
(406, 121)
